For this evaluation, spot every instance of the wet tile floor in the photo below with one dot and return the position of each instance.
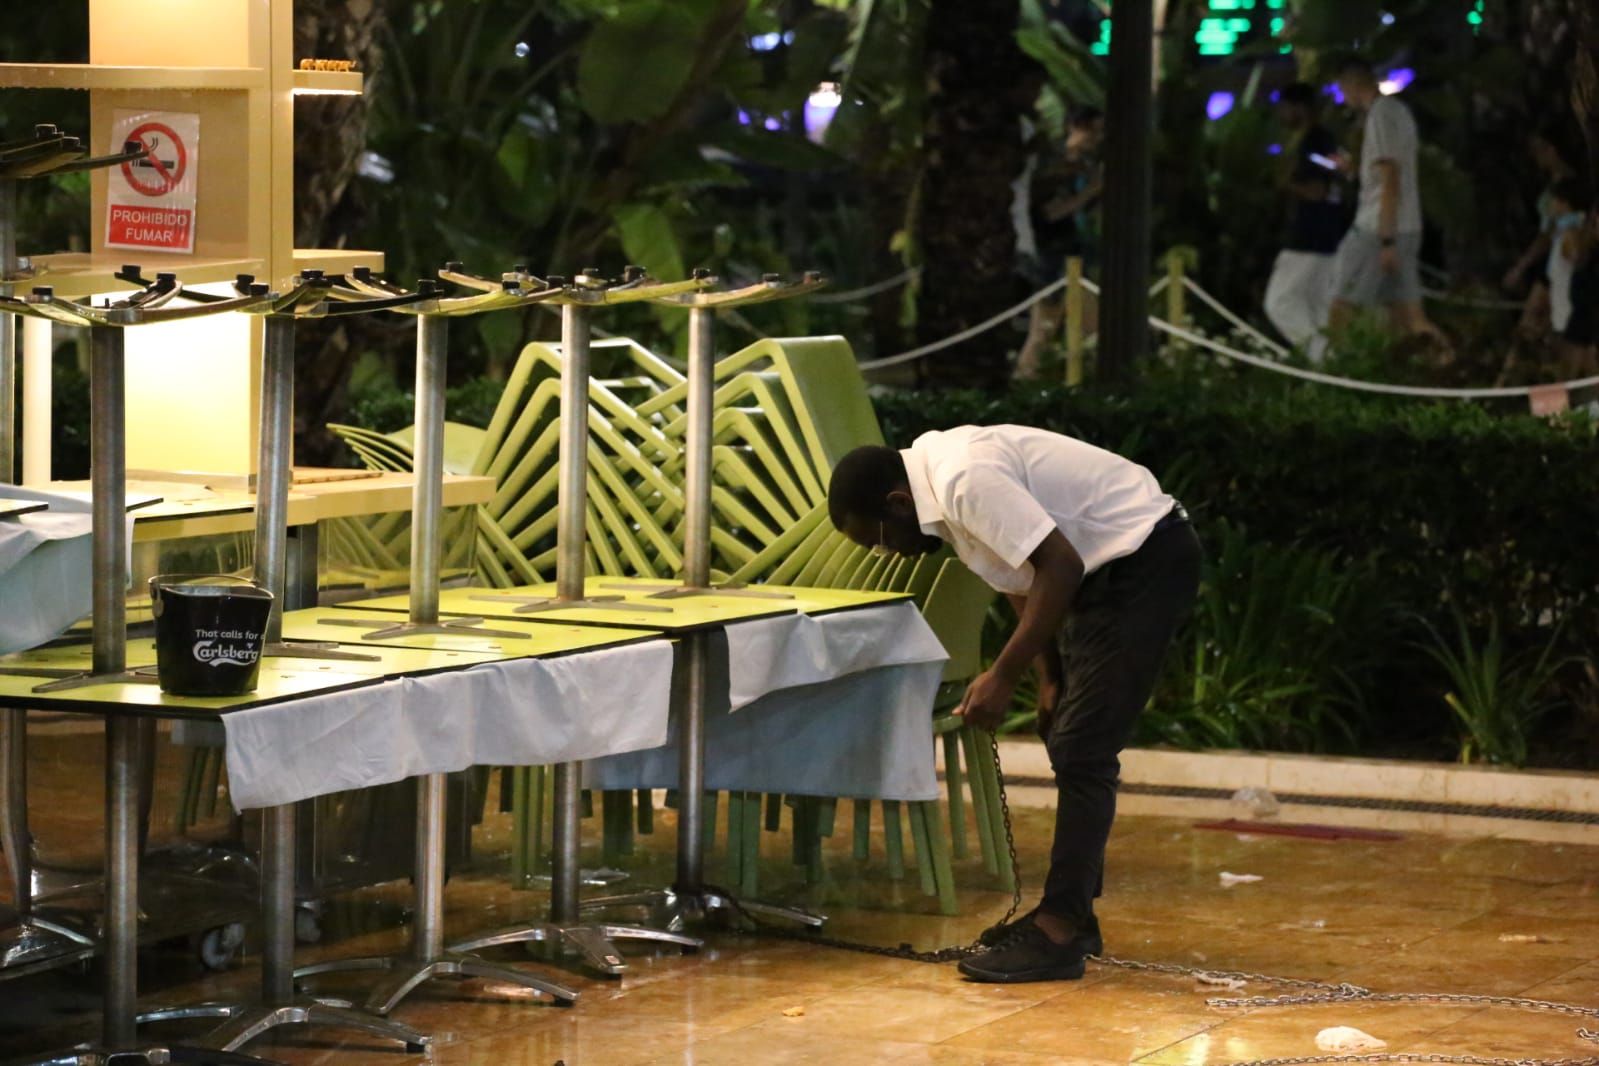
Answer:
(1421, 914)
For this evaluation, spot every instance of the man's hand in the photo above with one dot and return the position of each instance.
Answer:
(1388, 259)
(987, 700)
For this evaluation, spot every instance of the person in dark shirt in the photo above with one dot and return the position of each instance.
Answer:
(1579, 340)
(1300, 291)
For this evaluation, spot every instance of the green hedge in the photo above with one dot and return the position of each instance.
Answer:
(1434, 508)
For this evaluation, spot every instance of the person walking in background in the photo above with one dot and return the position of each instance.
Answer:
(1065, 186)
(1378, 260)
(1299, 294)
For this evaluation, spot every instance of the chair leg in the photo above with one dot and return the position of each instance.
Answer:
(802, 830)
(942, 866)
(863, 829)
(646, 812)
(924, 858)
(957, 797)
(519, 779)
(189, 791)
(709, 809)
(749, 873)
(894, 840)
(735, 836)
(538, 803)
(995, 811)
(825, 809)
(985, 827)
(616, 819)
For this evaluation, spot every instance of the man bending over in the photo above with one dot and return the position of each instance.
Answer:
(1101, 566)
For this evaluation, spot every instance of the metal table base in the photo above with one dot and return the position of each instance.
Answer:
(689, 900)
(565, 930)
(278, 1005)
(471, 627)
(428, 958)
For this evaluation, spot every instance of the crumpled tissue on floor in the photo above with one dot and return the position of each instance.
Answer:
(1347, 1038)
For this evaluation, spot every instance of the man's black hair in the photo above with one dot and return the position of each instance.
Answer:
(1574, 191)
(1085, 116)
(1301, 93)
(861, 483)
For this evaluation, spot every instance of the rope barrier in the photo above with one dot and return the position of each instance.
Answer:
(1355, 383)
(982, 327)
(1237, 323)
(865, 291)
(1199, 340)
(966, 334)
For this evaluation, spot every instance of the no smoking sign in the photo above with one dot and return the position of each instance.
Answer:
(150, 202)
(166, 159)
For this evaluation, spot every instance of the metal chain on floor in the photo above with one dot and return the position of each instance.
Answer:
(905, 951)
(1312, 992)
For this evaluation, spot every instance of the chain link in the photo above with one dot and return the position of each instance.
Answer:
(1413, 1056)
(1312, 992)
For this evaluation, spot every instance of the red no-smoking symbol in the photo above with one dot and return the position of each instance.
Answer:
(159, 172)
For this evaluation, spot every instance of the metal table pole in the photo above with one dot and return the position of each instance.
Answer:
(427, 496)
(278, 1004)
(566, 926)
(274, 475)
(689, 898)
(126, 737)
(8, 334)
(428, 957)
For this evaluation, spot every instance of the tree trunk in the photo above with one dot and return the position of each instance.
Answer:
(980, 84)
(329, 137)
(1585, 79)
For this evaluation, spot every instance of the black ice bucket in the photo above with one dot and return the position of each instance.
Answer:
(209, 634)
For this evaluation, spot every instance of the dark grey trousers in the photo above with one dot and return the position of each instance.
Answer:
(1112, 645)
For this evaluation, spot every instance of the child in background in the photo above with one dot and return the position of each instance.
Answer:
(1579, 341)
(1568, 251)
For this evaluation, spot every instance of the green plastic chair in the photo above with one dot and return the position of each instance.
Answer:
(785, 412)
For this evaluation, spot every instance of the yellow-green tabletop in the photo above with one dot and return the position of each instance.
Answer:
(641, 604)
(287, 677)
(276, 684)
(538, 638)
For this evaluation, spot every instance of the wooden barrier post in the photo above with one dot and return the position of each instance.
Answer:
(1176, 296)
(1074, 320)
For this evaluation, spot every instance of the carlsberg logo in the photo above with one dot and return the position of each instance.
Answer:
(218, 653)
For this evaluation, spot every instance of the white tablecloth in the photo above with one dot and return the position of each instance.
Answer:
(771, 654)
(836, 705)
(524, 712)
(44, 577)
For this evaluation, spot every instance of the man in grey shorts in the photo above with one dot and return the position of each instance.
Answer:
(1378, 259)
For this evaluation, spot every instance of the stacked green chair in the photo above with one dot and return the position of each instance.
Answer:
(785, 411)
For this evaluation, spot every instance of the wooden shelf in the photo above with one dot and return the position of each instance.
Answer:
(87, 76)
(313, 82)
(74, 274)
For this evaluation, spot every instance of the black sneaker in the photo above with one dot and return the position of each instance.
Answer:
(1027, 954)
(1088, 940)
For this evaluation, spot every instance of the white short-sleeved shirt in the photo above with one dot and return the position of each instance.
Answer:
(1390, 133)
(995, 492)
